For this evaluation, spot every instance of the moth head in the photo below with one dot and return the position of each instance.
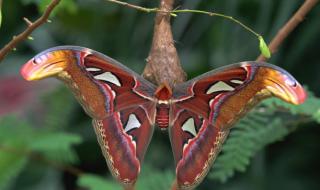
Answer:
(163, 92)
(46, 64)
(282, 85)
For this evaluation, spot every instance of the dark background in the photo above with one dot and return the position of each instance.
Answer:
(203, 43)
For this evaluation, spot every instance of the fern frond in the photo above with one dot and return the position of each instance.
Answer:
(311, 107)
(12, 162)
(56, 146)
(95, 182)
(250, 135)
(265, 124)
(18, 140)
(10, 167)
(59, 106)
(151, 178)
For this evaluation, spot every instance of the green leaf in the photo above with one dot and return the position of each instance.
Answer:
(310, 108)
(264, 48)
(95, 182)
(56, 118)
(250, 135)
(262, 126)
(151, 178)
(56, 146)
(64, 6)
(11, 164)
(14, 134)
(23, 139)
(44, 142)
(13, 129)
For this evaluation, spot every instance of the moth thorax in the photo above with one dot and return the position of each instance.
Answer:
(163, 93)
(162, 117)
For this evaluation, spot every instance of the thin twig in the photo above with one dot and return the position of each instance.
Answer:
(31, 27)
(29, 23)
(218, 15)
(175, 11)
(148, 10)
(294, 21)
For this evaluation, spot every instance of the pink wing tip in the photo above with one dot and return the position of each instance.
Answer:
(26, 70)
(301, 94)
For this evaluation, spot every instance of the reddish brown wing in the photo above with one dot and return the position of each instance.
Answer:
(205, 108)
(125, 134)
(119, 101)
(122, 87)
(195, 143)
(124, 137)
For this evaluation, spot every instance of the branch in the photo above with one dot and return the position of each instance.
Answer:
(148, 10)
(294, 21)
(31, 27)
(163, 64)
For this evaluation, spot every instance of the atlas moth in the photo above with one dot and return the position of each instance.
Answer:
(125, 108)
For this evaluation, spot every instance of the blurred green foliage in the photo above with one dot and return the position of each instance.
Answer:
(67, 6)
(256, 131)
(19, 142)
(95, 182)
(276, 146)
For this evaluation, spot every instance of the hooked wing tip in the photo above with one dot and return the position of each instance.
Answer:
(46, 64)
(301, 95)
(26, 71)
(282, 85)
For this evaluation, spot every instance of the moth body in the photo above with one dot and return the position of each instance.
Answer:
(163, 95)
(125, 107)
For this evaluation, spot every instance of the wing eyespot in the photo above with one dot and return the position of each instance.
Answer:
(37, 60)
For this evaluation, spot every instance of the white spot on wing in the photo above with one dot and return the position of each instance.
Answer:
(93, 69)
(132, 123)
(220, 86)
(236, 81)
(189, 126)
(109, 77)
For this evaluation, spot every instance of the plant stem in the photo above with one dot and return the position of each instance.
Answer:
(173, 13)
(294, 21)
(26, 33)
(144, 9)
(218, 15)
